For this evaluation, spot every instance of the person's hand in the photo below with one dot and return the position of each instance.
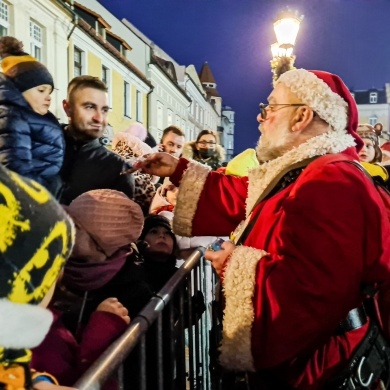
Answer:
(112, 305)
(159, 164)
(219, 258)
(161, 148)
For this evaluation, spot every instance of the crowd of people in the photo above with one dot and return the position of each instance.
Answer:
(90, 234)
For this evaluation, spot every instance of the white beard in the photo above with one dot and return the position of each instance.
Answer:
(266, 152)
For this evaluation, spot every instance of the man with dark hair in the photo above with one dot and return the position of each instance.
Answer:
(88, 165)
(172, 141)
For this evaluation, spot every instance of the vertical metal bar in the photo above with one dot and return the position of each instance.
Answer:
(180, 357)
(197, 349)
(159, 354)
(119, 376)
(142, 360)
(191, 374)
(172, 307)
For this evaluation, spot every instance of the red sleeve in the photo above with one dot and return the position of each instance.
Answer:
(209, 203)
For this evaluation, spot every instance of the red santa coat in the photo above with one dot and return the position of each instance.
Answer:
(301, 268)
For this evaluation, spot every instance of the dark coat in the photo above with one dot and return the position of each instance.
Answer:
(30, 144)
(91, 166)
(215, 162)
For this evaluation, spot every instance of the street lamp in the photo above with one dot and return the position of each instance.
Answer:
(286, 28)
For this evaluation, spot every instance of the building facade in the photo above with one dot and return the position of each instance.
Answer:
(96, 49)
(146, 85)
(43, 26)
(227, 136)
(374, 107)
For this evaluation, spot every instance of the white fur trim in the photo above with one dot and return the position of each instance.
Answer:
(23, 325)
(239, 286)
(314, 92)
(260, 177)
(190, 189)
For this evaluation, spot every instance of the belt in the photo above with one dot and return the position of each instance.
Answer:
(355, 319)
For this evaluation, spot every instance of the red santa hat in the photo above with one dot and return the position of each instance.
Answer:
(385, 147)
(327, 95)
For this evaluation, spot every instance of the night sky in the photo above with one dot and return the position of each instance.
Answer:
(348, 37)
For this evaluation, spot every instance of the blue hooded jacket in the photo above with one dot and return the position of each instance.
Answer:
(30, 144)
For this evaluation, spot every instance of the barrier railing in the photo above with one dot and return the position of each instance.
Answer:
(167, 345)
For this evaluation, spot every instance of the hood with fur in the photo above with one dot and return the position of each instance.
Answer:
(189, 151)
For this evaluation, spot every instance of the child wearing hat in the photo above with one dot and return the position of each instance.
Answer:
(370, 155)
(31, 140)
(36, 238)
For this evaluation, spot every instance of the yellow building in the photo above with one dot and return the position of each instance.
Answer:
(94, 50)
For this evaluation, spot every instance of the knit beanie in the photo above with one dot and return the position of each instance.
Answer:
(36, 238)
(25, 71)
(152, 221)
(137, 130)
(367, 131)
(109, 217)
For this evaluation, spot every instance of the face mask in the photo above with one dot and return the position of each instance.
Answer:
(206, 153)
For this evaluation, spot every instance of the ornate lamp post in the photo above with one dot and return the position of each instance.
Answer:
(286, 28)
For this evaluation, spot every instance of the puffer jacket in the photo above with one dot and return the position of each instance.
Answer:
(215, 162)
(30, 144)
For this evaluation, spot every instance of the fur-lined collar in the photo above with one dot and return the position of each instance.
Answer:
(189, 151)
(260, 177)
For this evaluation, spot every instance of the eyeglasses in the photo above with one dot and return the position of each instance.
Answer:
(263, 108)
(205, 143)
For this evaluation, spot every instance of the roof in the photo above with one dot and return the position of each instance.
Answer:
(205, 75)
(92, 32)
(363, 96)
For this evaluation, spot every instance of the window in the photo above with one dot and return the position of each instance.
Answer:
(77, 62)
(4, 18)
(373, 97)
(160, 124)
(100, 29)
(169, 117)
(177, 121)
(139, 107)
(106, 75)
(372, 120)
(127, 99)
(36, 42)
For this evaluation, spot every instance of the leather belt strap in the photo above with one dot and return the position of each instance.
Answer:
(355, 319)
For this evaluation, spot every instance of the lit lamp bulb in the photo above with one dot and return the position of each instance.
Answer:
(286, 29)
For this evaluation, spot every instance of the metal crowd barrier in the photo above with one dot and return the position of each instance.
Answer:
(169, 345)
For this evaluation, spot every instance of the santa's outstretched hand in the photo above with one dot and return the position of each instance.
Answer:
(157, 164)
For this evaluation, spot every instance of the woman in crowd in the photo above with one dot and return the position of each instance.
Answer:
(205, 149)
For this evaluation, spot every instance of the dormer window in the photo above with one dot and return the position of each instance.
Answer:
(373, 97)
(100, 29)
